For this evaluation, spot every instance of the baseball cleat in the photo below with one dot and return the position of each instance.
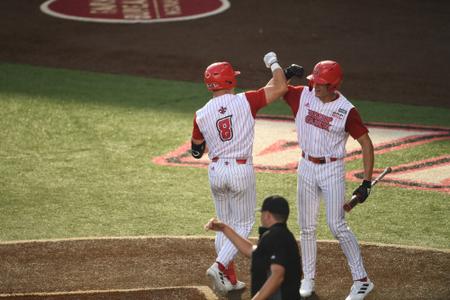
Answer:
(360, 289)
(220, 282)
(238, 286)
(306, 287)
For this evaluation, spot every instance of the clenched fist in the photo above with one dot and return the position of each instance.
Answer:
(363, 191)
(294, 70)
(270, 58)
(214, 224)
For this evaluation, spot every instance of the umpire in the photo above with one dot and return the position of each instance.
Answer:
(276, 264)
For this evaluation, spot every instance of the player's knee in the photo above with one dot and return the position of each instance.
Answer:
(308, 233)
(337, 229)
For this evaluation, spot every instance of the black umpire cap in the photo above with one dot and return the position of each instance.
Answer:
(276, 205)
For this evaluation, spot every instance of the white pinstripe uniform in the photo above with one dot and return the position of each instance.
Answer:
(227, 125)
(321, 134)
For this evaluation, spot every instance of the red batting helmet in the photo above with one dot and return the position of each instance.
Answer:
(220, 76)
(326, 72)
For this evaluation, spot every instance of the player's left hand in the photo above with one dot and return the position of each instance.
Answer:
(214, 224)
(363, 191)
(270, 58)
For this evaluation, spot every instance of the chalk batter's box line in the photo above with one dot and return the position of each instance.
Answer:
(182, 157)
(421, 165)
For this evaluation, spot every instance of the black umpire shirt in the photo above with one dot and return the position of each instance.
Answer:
(277, 245)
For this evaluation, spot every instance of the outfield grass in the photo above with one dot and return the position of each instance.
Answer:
(76, 150)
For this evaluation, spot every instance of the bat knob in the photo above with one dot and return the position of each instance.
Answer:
(347, 207)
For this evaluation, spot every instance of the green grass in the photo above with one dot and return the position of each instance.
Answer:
(76, 150)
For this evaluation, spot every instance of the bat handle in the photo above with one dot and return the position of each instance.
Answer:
(355, 199)
(352, 203)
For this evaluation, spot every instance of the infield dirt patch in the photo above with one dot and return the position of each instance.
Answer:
(174, 268)
(393, 51)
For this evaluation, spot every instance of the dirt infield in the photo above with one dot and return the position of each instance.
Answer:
(393, 51)
(172, 293)
(139, 267)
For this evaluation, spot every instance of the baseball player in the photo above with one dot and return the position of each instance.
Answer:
(324, 119)
(225, 127)
(275, 261)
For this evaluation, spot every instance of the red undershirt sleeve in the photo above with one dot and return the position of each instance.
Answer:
(256, 99)
(354, 125)
(196, 133)
(292, 97)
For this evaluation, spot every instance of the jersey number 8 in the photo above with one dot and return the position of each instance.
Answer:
(224, 126)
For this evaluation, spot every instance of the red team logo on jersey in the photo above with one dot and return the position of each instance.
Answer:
(222, 110)
(224, 126)
(318, 120)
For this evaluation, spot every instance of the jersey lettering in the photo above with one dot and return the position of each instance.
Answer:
(224, 126)
(319, 120)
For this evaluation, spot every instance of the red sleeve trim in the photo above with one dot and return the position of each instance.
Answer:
(256, 99)
(292, 97)
(196, 133)
(354, 124)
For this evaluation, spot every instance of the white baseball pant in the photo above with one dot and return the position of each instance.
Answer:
(329, 180)
(233, 188)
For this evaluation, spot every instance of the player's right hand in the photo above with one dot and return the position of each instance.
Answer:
(363, 191)
(270, 58)
(294, 70)
(214, 224)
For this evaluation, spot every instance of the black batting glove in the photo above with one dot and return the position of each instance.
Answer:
(363, 191)
(294, 70)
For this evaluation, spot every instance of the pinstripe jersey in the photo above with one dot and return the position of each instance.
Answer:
(322, 131)
(227, 125)
(321, 126)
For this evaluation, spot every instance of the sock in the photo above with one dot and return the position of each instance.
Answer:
(221, 267)
(231, 273)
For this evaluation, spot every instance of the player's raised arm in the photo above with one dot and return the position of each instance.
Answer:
(277, 86)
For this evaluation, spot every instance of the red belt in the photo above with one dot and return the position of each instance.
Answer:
(318, 160)
(239, 161)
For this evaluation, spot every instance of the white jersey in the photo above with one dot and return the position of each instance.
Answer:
(227, 125)
(321, 126)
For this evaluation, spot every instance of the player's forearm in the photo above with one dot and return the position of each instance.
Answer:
(368, 158)
(279, 81)
(197, 141)
(242, 244)
(277, 86)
